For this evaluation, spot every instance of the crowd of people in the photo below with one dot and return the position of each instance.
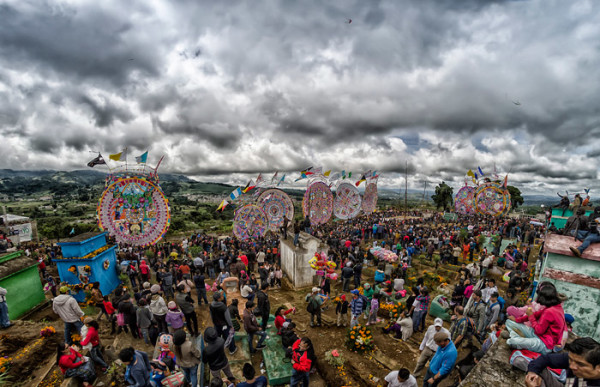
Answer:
(170, 281)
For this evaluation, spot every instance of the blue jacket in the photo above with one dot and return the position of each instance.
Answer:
(356, 305)
(443, 360)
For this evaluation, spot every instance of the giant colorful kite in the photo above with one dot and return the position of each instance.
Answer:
(463, 201)
(347, 201)
(491, 199)
(250, 222)
(317, 203)
(277, 205)
(133, 209)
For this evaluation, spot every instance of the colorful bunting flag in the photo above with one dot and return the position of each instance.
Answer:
(222, 206)
(141, 159)
(259, 179)
(121, 156)
(97, 161)
(362, 178)
(236, 192)
(281, 180)
(274, 177)
(249, 187)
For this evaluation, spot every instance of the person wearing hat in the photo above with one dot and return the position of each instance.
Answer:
(175, 319)
(442, 362)
(341, 310)
(429, 345)
(69, 311)
(314, 306)
(158, 307)
(357, 306)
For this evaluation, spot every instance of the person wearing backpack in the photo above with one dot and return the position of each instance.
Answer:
(314, 306)
(462, 326)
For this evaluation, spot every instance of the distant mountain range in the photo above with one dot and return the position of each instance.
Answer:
(40, 181)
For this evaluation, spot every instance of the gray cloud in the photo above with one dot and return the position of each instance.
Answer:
(239, 88)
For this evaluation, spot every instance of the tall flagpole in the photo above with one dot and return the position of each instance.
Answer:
(125, 159)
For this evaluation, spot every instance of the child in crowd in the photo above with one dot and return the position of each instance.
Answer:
(374, 309)
(175, 318)
(341, 310)
(110, 312)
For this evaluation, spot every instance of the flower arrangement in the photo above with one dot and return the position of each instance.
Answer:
(334, 358)
(4, 364)
(47, 331)
(87, 269)
(90, 255)
(76, 338)
(393, 309)
(360, 339)
(106, 264)
(73, 269)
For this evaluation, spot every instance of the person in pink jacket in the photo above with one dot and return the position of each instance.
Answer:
(547, 325)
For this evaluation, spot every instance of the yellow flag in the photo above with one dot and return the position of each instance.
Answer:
(116, 156)
(326, 174)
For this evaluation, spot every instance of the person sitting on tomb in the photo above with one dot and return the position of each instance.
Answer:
(576, 223)
(564, 203)
(590, 236)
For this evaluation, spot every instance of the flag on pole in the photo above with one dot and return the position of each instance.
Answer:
(259, 179)
(362, 178)
(97, 161)
(307, 171)
(236, 192)
(141, 159)
(343, 174)
(72, 231)
(249, 187)
(375, 175)
(121, 156)
(223, 204)
(480, 171)
(302, 176)
(326, 174)
(281, 180)
(274, 177)
(349, 175)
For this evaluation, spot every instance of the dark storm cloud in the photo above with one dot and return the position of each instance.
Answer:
(86, 41)
(105, 113)
(290, 84)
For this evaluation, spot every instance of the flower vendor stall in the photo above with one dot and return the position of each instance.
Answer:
(87, 258)
(384, 254)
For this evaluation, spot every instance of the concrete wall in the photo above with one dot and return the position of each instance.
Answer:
(294, 260)
(583, 300)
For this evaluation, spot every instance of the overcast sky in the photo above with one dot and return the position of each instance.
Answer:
(228, 89)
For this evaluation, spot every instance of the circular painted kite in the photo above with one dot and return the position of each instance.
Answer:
(277, 205)
(317, 203)
(369, 203)
(347, 201)
(250, 222)
(134, 210)
(491, 199)
(463, 201)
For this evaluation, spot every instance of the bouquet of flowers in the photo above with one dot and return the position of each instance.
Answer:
(360, 339)
(47, 331)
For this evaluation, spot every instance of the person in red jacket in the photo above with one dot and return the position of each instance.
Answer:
(303, 356)
(93, 338)
(144, 271)
(73, 364)
(110, 312)
(548, 325)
